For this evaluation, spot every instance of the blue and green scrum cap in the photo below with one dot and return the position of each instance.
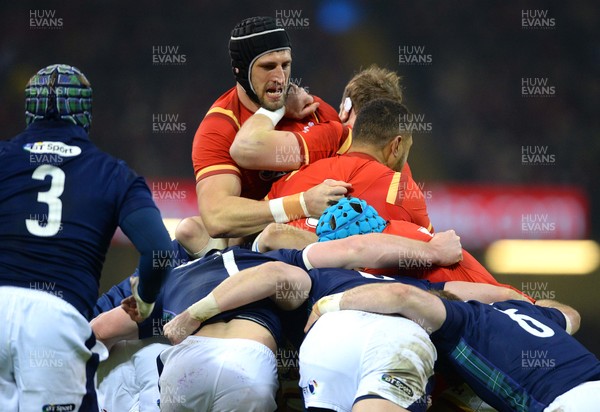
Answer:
(59, 92)
(349, 216)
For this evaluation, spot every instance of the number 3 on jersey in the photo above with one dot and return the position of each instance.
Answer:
(51, 198)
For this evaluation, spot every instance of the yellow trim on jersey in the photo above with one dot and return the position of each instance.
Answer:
(290, 174)
(430, 227)
(393, 190)
(216, 167)
(226, 112)
(344, 148)
(306, 152)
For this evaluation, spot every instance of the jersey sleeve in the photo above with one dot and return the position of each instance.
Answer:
(459, 317)
(323, 140)
(411, 198)
(289, 256)
(210, 149)
(135, 194)
(113, 297)
(325, 113)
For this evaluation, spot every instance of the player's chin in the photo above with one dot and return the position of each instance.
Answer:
(273, 104)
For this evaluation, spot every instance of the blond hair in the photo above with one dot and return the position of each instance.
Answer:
(373, 83)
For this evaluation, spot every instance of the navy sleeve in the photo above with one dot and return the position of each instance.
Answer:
(136, 196)
(289, 256)
(458, 318)
(113, 297)
(145, 229)
(437, 286)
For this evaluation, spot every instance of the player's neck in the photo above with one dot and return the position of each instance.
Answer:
(358, 148)
(245, 100)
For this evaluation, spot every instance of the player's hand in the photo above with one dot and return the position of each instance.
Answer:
(180, 327)
(312, 318)
(144, 309)
(129, 305)
(446, 248)
(299, 103)
(320, 197)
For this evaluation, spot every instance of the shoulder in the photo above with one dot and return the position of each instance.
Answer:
(325, 112)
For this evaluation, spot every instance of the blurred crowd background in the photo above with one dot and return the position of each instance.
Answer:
(470, 90)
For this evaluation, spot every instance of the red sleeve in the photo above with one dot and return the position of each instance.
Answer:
(323, 140)
(408, 229)
(325, 113)
(210, 150)
(412, 199)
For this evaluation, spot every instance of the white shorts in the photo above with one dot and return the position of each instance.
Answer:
(46, 361)
(584, 397)
(210, 374)
(128, 380)
(350, 355)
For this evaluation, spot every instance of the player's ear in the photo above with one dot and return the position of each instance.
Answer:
(396, 146)
(345, 109)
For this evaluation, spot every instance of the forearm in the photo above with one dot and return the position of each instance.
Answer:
(482, 292)
(234, 216)
(572, 316)
(113, 326)
(376, 297)
(374, 250)
(252, 285)
(257, 146)
(426, 310)
(226, 214)
(145, 228)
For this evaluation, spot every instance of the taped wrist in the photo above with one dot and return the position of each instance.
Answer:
(204, 309)
(144, 308)
(329, 303)
(288, 208)
(275, 116)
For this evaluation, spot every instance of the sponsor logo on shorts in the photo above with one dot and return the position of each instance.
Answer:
(311, 388)
(63, 407)
(392, 380)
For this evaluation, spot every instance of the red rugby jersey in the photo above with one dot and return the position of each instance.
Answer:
(216, 133)
(395, 195)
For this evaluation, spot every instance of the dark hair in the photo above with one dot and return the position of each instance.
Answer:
(378, 122)
(445, 295)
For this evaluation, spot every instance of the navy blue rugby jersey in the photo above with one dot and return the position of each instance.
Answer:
(61, 200)
(191, 282)
(516, 356)
(329, 281)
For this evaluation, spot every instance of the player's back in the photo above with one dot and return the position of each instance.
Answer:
(61, 199)
(522, 347)
(393, 194)
(194, 280)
